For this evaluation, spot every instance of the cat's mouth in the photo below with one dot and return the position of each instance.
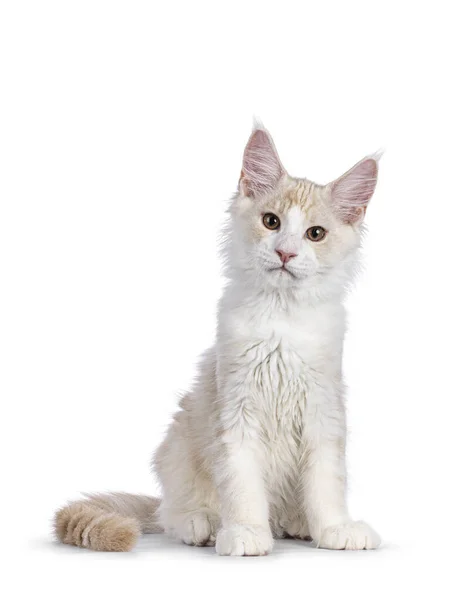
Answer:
(283, 269)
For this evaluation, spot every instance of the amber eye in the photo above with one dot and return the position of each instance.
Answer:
(271, 221)
(316, 233)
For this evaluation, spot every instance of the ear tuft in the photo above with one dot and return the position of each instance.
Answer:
(351, 193)
(261, 166)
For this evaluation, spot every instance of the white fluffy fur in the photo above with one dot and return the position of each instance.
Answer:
(257, 449)
(259, 444)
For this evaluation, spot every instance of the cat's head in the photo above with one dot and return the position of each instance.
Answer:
(291, 233)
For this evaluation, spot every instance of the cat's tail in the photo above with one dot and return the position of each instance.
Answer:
(108, 522)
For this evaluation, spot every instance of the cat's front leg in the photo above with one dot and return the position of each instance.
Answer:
(324, 476)
(239, 477)
(244, 510)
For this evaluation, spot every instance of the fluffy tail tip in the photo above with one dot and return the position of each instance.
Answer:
(89, 527)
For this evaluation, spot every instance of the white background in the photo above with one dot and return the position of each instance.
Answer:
(122, 130)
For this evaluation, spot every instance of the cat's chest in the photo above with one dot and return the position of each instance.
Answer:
(279, 380)
(276, 360)
(278, 376)
(282, 352)
(276, 364)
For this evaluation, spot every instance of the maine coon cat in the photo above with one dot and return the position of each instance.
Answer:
(257, 449)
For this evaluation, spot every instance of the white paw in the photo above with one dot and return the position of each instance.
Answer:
(199, 528)
(354, 535)
(244, 540)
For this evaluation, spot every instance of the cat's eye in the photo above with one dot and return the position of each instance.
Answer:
(316, 233)
(271, 221)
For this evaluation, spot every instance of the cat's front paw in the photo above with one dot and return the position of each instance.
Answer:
(244, 540)
(353, 535)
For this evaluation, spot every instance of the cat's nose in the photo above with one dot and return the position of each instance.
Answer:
(285, 256)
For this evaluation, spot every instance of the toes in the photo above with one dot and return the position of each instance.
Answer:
(355, 535)
(240, 540)
(298, 530)
(199, 529)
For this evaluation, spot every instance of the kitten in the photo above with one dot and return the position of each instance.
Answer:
(257, 449)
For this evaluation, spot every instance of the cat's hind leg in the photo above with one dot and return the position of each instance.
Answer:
(298, 529)
(197, 527)
(189, 509)
(288, 518)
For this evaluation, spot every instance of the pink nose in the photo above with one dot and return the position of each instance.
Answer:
(285, 256)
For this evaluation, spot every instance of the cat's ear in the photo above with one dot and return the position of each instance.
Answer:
(350, 194)
(261, 166)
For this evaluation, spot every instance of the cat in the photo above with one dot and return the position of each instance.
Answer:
(257, 449)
